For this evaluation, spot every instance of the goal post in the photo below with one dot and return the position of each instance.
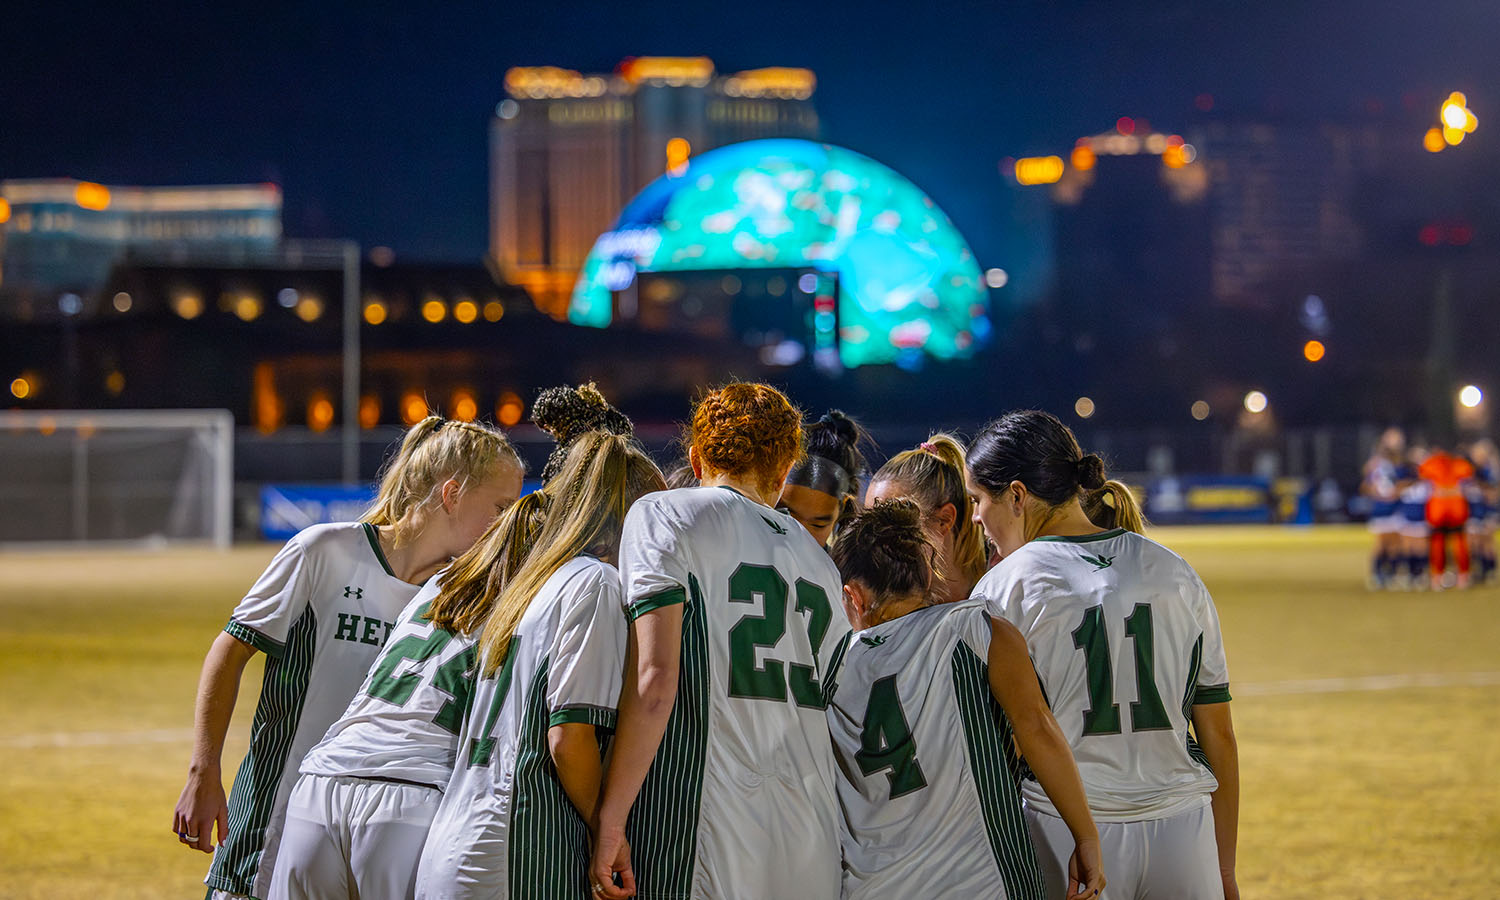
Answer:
(116, 477)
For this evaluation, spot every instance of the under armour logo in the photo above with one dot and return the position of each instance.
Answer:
(354, 592)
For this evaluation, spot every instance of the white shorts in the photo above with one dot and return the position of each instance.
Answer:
(1414, 529)
(1172, 857)
(352, 837)
(1387, 524)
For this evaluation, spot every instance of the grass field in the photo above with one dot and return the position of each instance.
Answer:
(1369, 724)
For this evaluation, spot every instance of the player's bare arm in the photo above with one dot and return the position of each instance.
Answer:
(653, 663)
(202, 804)
(1013, 682)
(1214, 728)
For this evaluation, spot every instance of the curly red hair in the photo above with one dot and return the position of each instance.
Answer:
(747, 430)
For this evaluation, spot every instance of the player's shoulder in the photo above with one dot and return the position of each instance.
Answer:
(332, 536)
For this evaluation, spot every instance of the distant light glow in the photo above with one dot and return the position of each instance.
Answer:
(1312, 351)
(1454, 115)
(434, 310)
(1125, 125)
(807, 283)
(382, 256)
(247, 307)
(996, 278)
(1084, 407)
(4, 211)
(1083, 158)
(1256, 402)
(1204, 102)
(122, 302)
(369, 411)
(507, 108)
(1200, 409)
(376, 312)
(287, 297)
(70, 304)
(465, 311)
(91, 196)
(1433, 141)
(413, 408)
(678, 151)
(1454, 136)
(463, 406)
(114, 382)
(187, 304)
(20, 388)
(1470, 396)
(319, 412)
(494, 311)
(1039, 170)
(509, 410)
(309, 308)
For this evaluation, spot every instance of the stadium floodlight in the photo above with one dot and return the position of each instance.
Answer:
(116, 476)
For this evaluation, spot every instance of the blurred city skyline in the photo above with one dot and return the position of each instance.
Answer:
(374, 123)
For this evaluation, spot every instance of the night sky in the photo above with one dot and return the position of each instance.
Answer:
(375, 122)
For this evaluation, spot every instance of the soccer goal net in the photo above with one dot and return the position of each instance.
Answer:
(141, 476)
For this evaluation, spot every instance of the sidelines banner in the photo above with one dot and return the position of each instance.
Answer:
(1188, 499)
(286, 509)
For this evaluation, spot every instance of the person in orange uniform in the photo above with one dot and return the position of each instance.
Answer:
(1447, 512)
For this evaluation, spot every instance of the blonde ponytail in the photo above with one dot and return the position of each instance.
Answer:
(1113, 505)
(470, 584)
(933, 475)
(433, 451)
(601, 476)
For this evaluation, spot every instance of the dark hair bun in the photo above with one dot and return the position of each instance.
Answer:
(1091, 472)
(837, 437)
(565, 412)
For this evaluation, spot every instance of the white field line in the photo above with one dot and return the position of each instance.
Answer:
(1362, 684)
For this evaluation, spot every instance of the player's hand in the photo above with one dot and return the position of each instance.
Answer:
(611, 857)
(199, 809)
(1231, 887)
(1085, 872)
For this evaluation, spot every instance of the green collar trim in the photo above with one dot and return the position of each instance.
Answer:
(373, 537)
(1083, 538)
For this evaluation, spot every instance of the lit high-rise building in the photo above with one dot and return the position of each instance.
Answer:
(569, 150)
(61, 237)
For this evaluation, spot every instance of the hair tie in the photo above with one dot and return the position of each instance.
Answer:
(930, 447)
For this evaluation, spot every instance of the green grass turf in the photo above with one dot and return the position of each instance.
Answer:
(1351, 793)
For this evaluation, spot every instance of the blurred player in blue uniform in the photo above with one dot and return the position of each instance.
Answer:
(1379, 485)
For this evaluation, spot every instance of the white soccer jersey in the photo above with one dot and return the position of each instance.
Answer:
(320, 612)
(404, 722)
(505, 828)
(929, 781)
(740, 800)
(1125, 639)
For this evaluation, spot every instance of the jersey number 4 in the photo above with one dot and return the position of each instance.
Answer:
(769, 680)
(1103, 714)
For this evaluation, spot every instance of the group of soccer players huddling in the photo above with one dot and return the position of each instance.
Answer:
(1421, 500)
(770, 674)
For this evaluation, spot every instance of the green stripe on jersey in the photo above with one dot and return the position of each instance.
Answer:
(373, 536)
(1212, 693)
(663, 824)
(1189, 697)
(988, 734)
(1082, 538)
(665, 597)
(597, 716)
(549, 843)
(255, 785)
(264, 643)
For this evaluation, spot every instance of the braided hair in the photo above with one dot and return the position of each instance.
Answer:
(565, 412)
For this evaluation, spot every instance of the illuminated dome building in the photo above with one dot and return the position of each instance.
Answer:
(798, 249)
